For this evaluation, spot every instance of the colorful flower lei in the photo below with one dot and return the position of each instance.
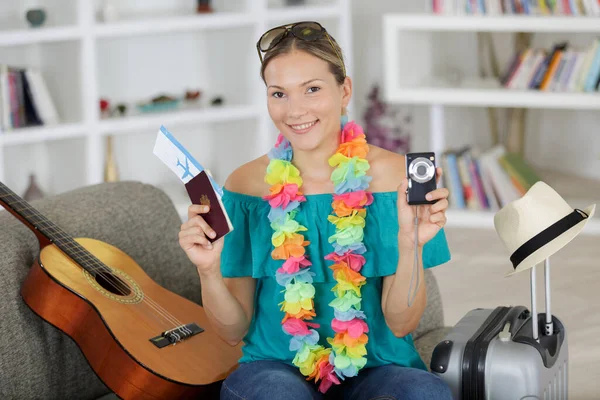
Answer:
(347, 354)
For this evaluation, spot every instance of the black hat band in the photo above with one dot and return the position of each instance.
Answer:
(546, 236)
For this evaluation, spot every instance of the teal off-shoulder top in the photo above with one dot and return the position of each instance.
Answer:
(247, 252)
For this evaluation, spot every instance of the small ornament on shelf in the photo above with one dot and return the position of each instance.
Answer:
(203, 7)
(109, 12)
(121, 109)
(36, 17)
(387, 127)
(217, 101)
(161, 102)
(111, 172)
(192, 95)
(104, 108)
(33, 191)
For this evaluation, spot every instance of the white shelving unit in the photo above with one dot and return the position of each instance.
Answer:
(412, 80)
(84, 59)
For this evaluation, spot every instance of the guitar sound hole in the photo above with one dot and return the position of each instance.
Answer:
(113, 284)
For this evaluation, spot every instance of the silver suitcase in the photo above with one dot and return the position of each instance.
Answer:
(502, 353)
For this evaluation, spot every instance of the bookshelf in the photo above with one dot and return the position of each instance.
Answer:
(484, 93)
(42, 35)
(415, 80)
(84, 59)
(492, 23)
(153, 24)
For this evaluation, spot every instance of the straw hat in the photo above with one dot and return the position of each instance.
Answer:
(537, 225)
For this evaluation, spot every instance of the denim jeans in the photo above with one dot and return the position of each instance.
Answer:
(274, 380)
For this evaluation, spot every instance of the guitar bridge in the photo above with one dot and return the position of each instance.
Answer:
(176, 335)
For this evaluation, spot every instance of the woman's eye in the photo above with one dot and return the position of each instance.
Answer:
(277, 95)
(314, 89)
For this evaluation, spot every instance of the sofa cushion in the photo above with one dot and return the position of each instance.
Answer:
(38, 361)
(433, 316)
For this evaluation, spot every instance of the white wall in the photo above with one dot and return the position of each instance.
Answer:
(564, 140)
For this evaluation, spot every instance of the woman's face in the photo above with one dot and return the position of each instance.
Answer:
(304, 100)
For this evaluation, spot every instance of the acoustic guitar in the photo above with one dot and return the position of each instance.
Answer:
(143, 341)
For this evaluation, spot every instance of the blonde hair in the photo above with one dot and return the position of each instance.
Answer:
(320, 48)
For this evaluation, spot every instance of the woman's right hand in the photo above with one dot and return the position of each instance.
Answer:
(193, 240)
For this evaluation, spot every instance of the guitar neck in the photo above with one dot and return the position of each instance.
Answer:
(46, 231)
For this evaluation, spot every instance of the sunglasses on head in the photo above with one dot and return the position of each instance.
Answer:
(308, 30)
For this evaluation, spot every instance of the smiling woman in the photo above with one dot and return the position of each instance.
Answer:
(314, 279)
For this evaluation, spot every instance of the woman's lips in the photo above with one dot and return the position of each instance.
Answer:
(301, 129)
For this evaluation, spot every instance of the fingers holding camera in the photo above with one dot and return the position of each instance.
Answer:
(438, 218)
(437, 194)
(439, 206)
(437, 211)
(402, 193)
(438, 175)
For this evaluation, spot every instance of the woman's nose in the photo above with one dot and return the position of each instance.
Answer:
(296, 108)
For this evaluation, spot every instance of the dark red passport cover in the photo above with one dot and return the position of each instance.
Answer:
(202, 192)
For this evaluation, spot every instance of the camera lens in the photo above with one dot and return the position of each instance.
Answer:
(421, 170)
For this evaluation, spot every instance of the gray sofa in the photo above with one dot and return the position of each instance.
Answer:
(38, 361)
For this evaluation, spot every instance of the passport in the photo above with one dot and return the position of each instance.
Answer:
(200, 185)
(201, 191)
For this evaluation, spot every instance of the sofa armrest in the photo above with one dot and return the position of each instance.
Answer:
(427, 342)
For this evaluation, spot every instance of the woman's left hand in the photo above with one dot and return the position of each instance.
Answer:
(432, 217)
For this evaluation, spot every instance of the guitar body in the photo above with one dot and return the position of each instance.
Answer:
(114, 328)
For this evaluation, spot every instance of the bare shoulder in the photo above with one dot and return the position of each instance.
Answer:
(249, 178)
(387, 169)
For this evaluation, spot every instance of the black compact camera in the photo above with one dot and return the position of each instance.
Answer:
(420, 171)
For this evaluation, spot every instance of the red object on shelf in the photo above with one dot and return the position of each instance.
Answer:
(104, 105)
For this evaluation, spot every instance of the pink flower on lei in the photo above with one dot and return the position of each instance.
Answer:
(328, 377)
(355, 199)
(295, 326)
(293, 264)
(280, 139)
(351, 131)
(282, 195)
(355, 327)
(354, 261)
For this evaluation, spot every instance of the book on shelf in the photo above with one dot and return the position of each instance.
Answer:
(563, 68)
(485, 180)
(522, 7)
(24, 99)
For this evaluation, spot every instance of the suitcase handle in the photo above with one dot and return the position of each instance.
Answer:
(548, 346)
(515, 318)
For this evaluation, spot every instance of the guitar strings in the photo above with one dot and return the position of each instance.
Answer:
(115, 283)
(82, 251)
(99, 269)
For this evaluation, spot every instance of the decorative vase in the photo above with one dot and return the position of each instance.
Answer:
(36, 17)
(217, 101)
(111, 172)
(203, 6)
(387, 126)
(33, 192)
(121, 109)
